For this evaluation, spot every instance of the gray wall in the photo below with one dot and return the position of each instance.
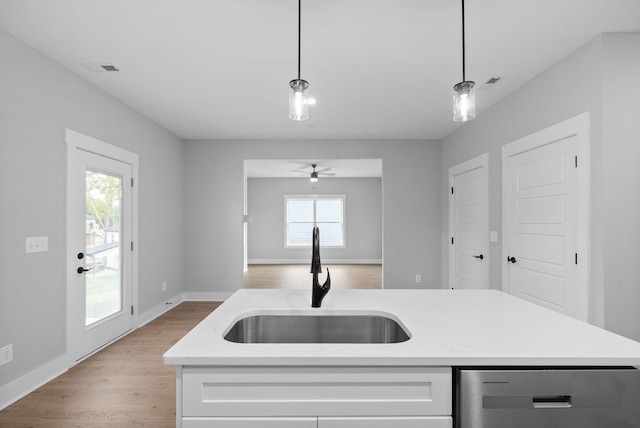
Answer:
(363, 218)
(621, 182)
(39, 100)
(599, 78)
(213, 201)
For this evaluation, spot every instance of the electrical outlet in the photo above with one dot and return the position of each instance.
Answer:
(6, 355)
(418, 279)
(164, 287)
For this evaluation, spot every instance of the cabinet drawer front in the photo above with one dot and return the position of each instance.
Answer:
(249, 423)
(387, 422)
(316, 391)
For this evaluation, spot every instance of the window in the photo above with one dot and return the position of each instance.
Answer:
(303, 212)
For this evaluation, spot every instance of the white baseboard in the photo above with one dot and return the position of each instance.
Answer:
(13, 391)
(306, 262)
(158, 310)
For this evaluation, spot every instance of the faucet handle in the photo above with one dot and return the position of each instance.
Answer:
(327, 283)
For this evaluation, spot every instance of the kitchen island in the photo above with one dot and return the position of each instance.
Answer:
(407, 384)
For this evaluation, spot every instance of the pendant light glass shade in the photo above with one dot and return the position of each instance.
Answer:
(464, 101)
(298, 100)
(464, 94)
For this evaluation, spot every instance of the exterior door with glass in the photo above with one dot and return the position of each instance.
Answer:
(100, 245)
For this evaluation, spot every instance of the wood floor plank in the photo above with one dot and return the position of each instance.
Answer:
(123, 385)
(298, 276)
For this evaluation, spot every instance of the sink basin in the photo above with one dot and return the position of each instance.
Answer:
(316, 329)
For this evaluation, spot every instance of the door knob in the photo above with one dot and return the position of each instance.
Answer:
(511, 259)
(82, 270)
(479, 257)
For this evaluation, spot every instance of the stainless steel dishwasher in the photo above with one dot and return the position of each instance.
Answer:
(547, 398)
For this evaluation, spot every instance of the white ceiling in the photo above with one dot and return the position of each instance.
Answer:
(380, 69)
(342, 168)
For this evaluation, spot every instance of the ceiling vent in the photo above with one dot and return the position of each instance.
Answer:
(489, 84)
(100, 67)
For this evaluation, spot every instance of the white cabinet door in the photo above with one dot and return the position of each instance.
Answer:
(315, 391)
(386, 422)
(309, 422)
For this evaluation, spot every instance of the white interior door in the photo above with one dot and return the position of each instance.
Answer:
(100, 245)
(469, 224)
(541, 216)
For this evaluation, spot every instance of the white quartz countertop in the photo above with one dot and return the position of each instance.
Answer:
(447, 328)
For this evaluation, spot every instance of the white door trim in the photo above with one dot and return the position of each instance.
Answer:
(481, 161)
(578, 126)
(76, 141)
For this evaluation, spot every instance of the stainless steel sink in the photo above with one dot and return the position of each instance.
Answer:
(316, 329)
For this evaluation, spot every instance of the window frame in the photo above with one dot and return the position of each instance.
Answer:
(315, 198)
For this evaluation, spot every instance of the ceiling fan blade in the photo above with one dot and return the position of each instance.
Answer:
(322, 170)
(302, 172)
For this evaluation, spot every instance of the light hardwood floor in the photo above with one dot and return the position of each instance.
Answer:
(124, 385)
(298, 276)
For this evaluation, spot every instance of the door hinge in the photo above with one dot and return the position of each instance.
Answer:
(452, 240)
(131, 310)
(452, 190)
(131, 245)
(576, 161)
(576, 258)
(131, 181)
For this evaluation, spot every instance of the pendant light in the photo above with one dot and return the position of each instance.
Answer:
(298, 98)
(464, 97)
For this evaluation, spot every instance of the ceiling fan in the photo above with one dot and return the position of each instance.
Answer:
(313, 175)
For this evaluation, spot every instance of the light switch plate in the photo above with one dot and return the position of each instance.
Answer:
(36, 244)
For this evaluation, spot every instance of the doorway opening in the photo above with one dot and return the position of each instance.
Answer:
(270, 261)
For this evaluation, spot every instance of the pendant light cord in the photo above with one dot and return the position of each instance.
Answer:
(463, 49)
(299, 31)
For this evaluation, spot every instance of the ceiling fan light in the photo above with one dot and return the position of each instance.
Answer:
(314, 177)
(298, 100)
(464, 101)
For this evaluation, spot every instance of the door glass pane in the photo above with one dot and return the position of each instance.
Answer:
(103, 230)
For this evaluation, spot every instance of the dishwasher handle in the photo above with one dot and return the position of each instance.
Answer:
(551, 401)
